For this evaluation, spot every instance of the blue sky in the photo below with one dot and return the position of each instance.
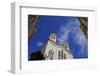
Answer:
(67, 30)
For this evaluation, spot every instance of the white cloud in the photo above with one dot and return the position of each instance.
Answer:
(78, 36)
(80, 39)
(39, 44)
(64, 31)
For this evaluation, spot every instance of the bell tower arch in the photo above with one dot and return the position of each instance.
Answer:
(53, 37)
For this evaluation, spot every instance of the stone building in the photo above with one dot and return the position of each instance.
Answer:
(32, 25)
(84, 25)
(53, 51)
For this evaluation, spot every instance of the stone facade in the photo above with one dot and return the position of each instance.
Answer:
(32, 25)
(84, 25)
(53, 51)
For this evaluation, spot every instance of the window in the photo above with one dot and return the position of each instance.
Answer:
(51, 57)
(64, 56)
(50, 54)
(58, 54)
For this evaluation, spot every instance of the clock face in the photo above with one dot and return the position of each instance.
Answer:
(57, 37)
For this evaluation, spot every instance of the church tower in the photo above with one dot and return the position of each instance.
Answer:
(53, 37)
(52, 50)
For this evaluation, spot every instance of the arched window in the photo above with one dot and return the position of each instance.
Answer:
(59, 57)
(50, 54)
(64, 56)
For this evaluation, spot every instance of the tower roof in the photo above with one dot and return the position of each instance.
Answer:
(53, 34)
